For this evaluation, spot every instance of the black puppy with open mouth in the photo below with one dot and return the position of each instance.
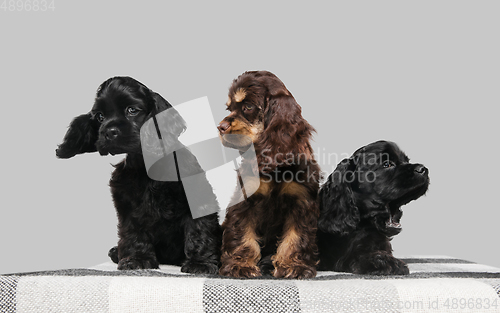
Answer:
(155, 225)
(360, 207)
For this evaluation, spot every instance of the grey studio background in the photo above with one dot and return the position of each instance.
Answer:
(423, 74)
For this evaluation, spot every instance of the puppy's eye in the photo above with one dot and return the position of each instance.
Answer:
(99, 117)
(247, 108)
(388, 164)
(133, 111)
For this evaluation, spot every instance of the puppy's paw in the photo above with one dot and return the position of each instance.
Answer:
(136, 264)
(382, 264)
(113, 254)
(299, 271)
(398, 267)
(266, 266)
(240, 271)
(199, 268)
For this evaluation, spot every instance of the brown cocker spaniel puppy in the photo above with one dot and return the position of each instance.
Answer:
(273, 231)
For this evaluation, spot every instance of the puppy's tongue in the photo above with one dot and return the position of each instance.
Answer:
(393, 221)
(393, 224)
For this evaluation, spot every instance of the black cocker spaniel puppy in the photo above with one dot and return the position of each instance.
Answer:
(155, 225)
(360, 206)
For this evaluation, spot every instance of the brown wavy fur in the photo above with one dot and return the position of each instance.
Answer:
(274, 230)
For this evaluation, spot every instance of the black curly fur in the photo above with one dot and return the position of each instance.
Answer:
(154, 219)
(360, 209)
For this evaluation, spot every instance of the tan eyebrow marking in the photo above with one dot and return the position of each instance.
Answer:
(239, 95)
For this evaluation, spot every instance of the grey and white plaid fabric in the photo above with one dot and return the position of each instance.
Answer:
(435, 284)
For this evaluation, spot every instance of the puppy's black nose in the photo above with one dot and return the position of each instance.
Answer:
(111, 133)
(420, 169)
(223, 127)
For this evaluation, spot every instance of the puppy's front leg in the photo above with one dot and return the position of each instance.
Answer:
(297, 252)
(135, 250)
(240, 246)
(202, 245)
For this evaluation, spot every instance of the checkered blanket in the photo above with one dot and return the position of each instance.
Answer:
(435, 284)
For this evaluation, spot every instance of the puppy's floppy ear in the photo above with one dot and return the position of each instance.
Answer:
(286, 133)
(339, 214)
(172, 123)
(80, 137)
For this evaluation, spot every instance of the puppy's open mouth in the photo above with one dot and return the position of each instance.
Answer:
(394, 219)
(393, 224)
